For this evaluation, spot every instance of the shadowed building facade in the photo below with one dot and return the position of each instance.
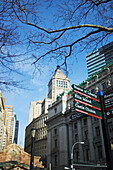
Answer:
(63, 131)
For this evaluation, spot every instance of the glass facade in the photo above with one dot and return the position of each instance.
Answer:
(99, 58)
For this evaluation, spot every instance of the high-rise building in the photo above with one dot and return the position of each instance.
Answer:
(16, 131)
(99, 58)
(34, 110)
(2, 121)
(59, 83)
(10, 123)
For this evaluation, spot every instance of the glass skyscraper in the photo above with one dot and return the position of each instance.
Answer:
(99, 58)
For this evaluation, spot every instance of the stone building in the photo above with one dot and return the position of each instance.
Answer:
(10, 122)
(7, 123)
(65, 127)
(58, 84)
(34, 110)
(2, 122)
(40, 147)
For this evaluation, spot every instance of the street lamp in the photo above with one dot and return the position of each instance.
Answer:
(66, 168)
(72, 151)
(33, 132)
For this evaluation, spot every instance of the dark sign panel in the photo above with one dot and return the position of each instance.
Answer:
(87, 110)
(85, 93)
(108, 101)
(86, 102)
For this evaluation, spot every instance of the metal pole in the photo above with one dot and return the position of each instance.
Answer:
(72, 152)
(32, 153)
(106, 134)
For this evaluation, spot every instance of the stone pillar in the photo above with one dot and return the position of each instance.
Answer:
(80, 139)
(49, 149)
(70, 138)
(90, 138)
(102, 139)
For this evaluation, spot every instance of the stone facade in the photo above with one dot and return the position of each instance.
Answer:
(34, 110)
(63, 131)
(40, 146)
(58, 84)
(15, 154)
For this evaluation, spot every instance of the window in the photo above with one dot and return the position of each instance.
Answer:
(75, 125)
(93, 91)
(66, 84)
(57, 83)
(55, 110)
(76, 137)
(77, 156)
(85, 121)
(56, 143)
(56, 160)
(61, 83)
(99, 152)
(97, 131)
(55, 131)
(86, 134)
(110, 127)
(87, 154)
(104, 85)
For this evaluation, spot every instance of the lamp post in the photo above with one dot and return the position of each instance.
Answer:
(33, 132)
(72, 151)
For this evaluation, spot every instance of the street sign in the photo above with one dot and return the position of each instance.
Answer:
(76, 115)
(87, 110)
(86, 102)
(85, 93)
(108, 101)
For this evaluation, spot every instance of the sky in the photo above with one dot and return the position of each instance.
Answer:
(37, 84)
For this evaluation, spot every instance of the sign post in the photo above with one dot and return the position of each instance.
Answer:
(93, 105)
(105, 134)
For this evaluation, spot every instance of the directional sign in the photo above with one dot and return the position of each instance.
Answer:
(85, 93)
(108, 100)
(76, 100)
(76, 115)
(86, 101)
(87, 110)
